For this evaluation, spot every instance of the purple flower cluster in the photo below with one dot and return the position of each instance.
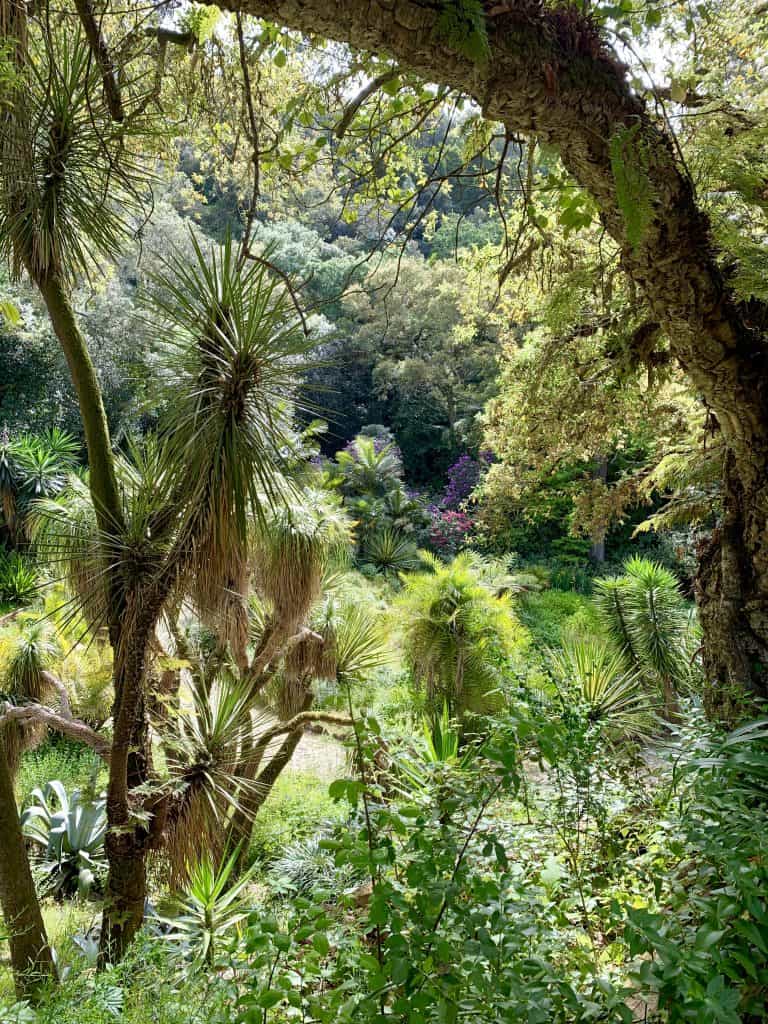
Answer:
(462, 480)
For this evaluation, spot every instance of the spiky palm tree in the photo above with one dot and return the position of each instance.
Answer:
(194, 505)
(68, 184)
(369, 467)
(650, 626)
(457, 636)
(32, 467)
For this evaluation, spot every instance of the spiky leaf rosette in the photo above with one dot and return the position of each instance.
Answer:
(69, 178)
(67, 537)
(390, 552)
(207, 763)
(598, 678)
(233, 355)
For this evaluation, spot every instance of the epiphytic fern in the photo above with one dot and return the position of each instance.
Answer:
(634, 192)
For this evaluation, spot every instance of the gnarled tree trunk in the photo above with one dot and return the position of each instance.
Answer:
(549, 75)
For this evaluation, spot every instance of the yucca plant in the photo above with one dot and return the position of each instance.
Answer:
(650, 626)
(596, 677)
(295, 546)
(458, 638)
(69, 178)
(210, 909)
(68, 831)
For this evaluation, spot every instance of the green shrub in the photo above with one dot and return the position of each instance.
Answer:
(59, 758)
(553, 616)
(297, 805)
(143, 989)
(19, 580)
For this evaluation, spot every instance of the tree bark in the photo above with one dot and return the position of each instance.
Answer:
(597, 546)
(549, 75)
(101, 464)
(31, 958)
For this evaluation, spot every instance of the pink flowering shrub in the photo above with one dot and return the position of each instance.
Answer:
(449, 531)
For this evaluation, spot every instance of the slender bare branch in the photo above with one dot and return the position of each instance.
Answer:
(103, 58)
(354, 104)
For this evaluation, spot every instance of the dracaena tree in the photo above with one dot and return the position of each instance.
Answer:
(179, 511)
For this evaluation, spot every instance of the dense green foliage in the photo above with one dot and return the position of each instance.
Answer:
(350, 507)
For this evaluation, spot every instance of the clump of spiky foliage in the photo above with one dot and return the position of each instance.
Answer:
(649, 625)
(69, 178)
(232, 354)
(369, 467)
(94, 564)
(212, 905)
(208, 744)
(32, 466)
(390, 553)
(458, 638)
(344, 645)
(26, 655)
(294, 548)
(597, 677)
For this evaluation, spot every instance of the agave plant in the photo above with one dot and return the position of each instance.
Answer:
(210, 909)
(306, 866)
(390, 552)
(68, 830)
(596, 676)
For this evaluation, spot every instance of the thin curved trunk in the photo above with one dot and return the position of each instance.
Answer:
(31, 957)
(597, 540)
(252, 799)
(242, 823)
(101, 463)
